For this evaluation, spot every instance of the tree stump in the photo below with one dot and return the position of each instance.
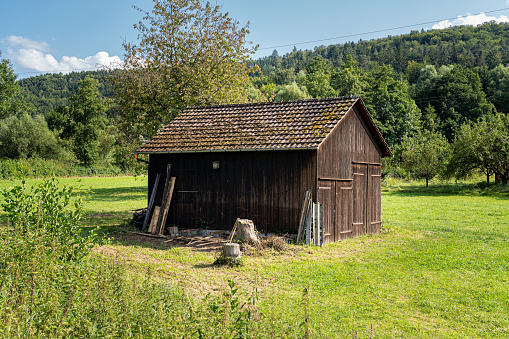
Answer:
(246, 231)
(231, 251)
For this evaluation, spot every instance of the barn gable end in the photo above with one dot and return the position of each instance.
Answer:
(349, 177)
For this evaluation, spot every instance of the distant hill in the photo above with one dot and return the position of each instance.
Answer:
(481, 48)
(47, 92)
(485, 46)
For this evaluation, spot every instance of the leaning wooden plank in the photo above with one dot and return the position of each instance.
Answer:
(150, 203)
(303, 214)
(166, 184)
(153, 222)
(161, 223)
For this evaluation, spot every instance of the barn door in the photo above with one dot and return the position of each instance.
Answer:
(344, 210)
(374, 199)
(336, 197)
(360, 194)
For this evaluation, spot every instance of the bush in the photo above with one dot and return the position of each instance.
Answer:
(27, 137)
(46, 215)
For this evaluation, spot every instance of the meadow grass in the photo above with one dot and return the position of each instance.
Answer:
(108, 200)
(440, 268)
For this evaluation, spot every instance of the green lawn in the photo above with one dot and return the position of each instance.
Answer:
(110, 199)
(440, 269)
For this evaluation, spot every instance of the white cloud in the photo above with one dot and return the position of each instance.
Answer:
(470, 20)
(17, 41)
(30, 54)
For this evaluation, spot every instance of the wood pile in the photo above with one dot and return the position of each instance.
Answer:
(197, 241)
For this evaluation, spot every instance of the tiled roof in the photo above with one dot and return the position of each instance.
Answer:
(268, 125)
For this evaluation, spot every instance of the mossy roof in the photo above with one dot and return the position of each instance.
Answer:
(300, 124)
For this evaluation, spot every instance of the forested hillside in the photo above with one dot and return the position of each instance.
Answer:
(49, 91)
(479, 48)
(482, 46)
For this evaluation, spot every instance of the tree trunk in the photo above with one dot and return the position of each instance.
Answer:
(488, 179)
(426, 181)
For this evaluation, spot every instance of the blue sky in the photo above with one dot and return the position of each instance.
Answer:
(60, 36)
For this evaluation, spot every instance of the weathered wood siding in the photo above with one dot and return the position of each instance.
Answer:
(264, 186)
(349, 181)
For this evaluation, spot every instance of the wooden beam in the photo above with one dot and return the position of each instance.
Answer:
(303, 214)
(155, 218)
(168, 172)
(165, 207)
(150, 203)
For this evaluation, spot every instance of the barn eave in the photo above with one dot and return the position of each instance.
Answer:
(229, 150)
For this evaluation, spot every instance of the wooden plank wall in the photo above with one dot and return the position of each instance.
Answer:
(350, 141)
(349, 164)
(264, 186)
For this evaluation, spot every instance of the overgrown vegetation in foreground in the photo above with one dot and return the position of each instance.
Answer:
(439, 270)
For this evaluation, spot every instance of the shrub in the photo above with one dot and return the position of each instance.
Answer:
(46, 215)
(27, 137)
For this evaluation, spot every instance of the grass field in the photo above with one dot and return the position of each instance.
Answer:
(440, 269)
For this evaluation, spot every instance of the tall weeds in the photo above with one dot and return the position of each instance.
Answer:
(53, 286)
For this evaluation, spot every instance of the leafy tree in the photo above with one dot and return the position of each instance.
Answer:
(498, 88)
(189, 53)
(318, 79)
(483, 146)
(350, 79)
(11, 101)
(292, 92)
(390, 104)
(471, 151)
(47, 92)
(455, 92)
(25, 136)
(425, 155)
(82, 121)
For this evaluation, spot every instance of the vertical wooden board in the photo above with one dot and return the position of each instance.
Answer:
(153, 221)
(374, 199)
(326, 195)
(344, 210)
(360, 173)
(151, 202)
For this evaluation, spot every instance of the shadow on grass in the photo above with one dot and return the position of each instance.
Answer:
(211, 265)
(105, 219)
(495, 190)
(116, 194)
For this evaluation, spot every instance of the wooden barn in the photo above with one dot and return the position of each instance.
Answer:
(256, 161)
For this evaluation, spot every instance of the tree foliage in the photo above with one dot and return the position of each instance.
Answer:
(25, 136)
(11, 101)
(482, 146)
(389, 101)
(318, 79)
(425, 155)
(456, 95)
(82, 121)
(292, 92)
(189, 53)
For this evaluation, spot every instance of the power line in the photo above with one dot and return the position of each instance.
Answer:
(377, 31)
(294, 44)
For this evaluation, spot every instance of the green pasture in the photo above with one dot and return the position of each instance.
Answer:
(440, 268)
(108, 200)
